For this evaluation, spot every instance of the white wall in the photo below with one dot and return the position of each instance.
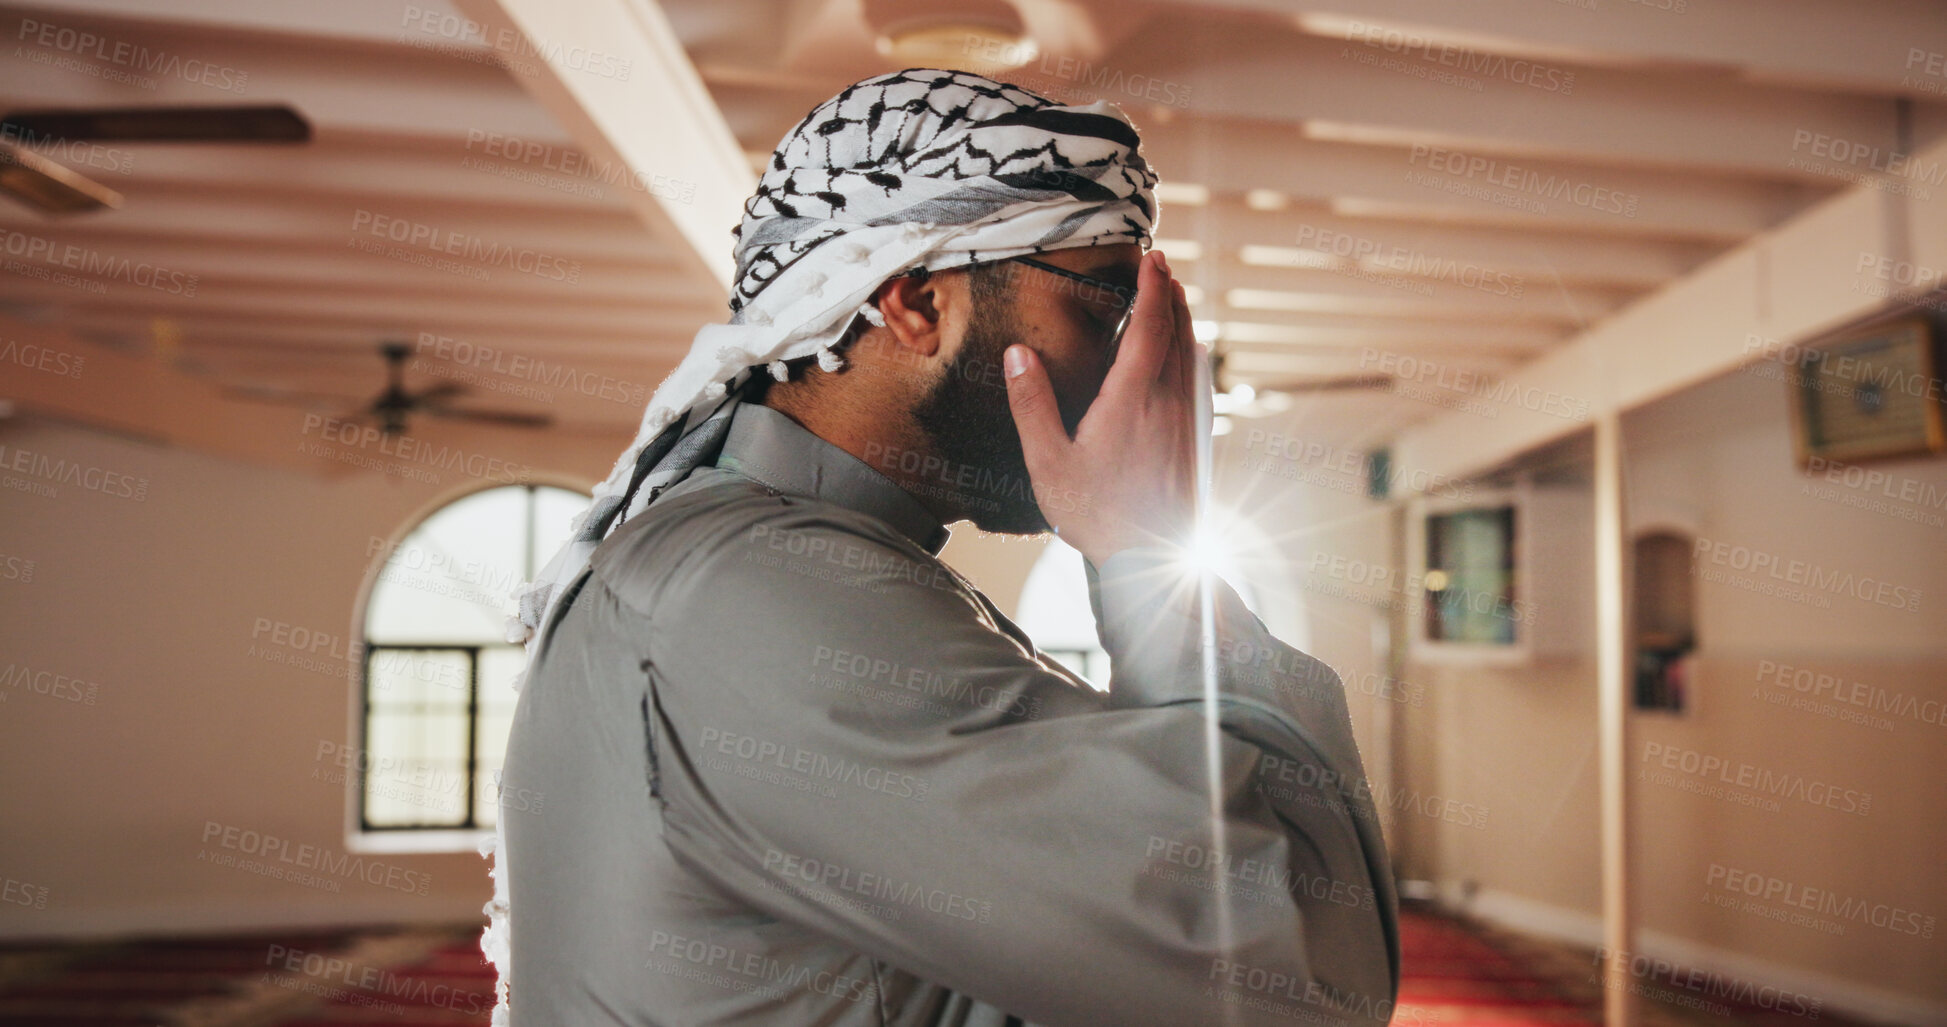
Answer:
(157, 604)
(1521, 742)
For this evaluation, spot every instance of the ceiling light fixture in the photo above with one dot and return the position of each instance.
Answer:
(981, 36)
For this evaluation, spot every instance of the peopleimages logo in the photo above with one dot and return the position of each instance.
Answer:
(1854, 154)
(1822, 901)
(1277, 991)
(575, 167)
(376, 981)
(1100, 77)
(1848, 374)
(1524, 182)
(41, 358)
(1707, 769)
(304, 857)
(1931, 66)
(85, 261)
(1853, 476)
(1475, 62)
(1903, 273)
(1406, 261)
(514, 44)
(16, 568)
(812, 767)
(71, 151)
(1409, 370)
(711, 961)
(476, 361)
(1812, 687)
(49, 469)
(1706, 984)
(1809, 575)
(20, 893)
(406, 448)
(878, 888)
(21, 677)
(1398, 585)
(122, 54)
(417, 235)
(1354, 465)
(1277, 879)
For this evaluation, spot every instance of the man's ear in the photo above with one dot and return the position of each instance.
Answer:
(911, 307)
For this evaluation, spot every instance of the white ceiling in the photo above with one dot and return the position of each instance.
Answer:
(1298, 127)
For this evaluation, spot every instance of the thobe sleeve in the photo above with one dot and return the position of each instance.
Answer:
(860, 749)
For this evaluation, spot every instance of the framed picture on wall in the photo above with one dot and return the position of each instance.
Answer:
(1490, 576)
(1869, 395)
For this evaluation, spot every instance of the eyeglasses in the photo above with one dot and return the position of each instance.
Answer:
(1119, 300)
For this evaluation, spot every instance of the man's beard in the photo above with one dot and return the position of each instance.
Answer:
(967, 419)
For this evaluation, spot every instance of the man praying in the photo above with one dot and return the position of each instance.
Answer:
(798, 770)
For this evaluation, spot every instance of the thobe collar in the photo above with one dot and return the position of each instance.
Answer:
(770, 448)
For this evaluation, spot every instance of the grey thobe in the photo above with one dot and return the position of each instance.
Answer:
(792, 769)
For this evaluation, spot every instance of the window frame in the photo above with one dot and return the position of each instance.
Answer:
(359, 838)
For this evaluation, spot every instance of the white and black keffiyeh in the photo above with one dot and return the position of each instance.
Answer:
(922, 168)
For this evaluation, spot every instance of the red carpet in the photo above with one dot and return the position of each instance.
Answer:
(1456, 974)
(1451, 976)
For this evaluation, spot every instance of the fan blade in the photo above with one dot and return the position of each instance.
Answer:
(275, 123)
(49, 187)
(505, 417)
(435, 393)
(292, 397)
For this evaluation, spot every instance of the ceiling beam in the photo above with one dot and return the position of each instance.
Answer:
(1675, 119)
(369, 21)
(403, 312)
(347, 272)
(1397, 296)
(478, 169)
(269, 260)
(620, 83)
(220, 331)
(395, 89)
(250, 217)
(1862, 45)
(1846, 260)
(1440, 251)
(1460, 187)
(1305, 330)
(1257, 365)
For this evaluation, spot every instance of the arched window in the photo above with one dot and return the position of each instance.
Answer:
(1054, 608)
(437, 696)
(1054, 611)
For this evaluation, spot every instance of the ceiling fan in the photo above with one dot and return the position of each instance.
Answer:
(51, 188)
(395, 402)
(1243, 399)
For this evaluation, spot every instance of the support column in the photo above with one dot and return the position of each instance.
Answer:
(1612, 718)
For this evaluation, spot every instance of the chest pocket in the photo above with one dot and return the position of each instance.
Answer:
(649, 740)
